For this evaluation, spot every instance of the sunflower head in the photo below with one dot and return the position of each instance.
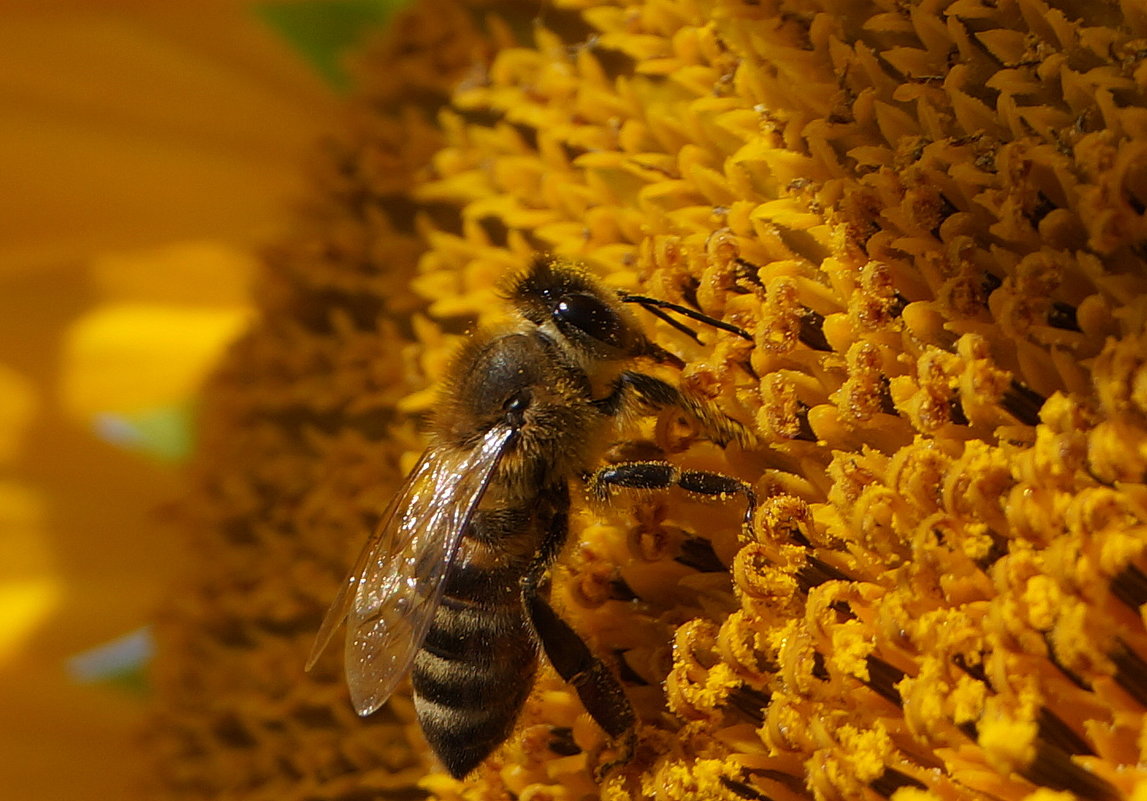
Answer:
(929, 220)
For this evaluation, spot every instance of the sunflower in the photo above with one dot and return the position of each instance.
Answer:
(930, 218)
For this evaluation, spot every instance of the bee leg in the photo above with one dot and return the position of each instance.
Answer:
(655, 394)
(614, 755)
(663, 475)
(598, 688)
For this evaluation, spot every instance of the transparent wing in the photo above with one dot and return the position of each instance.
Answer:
(392, 592)
(339, 607)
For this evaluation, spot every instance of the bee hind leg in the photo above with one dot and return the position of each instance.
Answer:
(598, 688)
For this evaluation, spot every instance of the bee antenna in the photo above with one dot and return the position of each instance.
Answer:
(680, 326)
(655, 306)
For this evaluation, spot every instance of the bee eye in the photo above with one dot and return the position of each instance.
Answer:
(592, 317)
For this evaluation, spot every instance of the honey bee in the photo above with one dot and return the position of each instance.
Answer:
(452, 586)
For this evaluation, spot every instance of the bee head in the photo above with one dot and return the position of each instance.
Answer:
(571, 307)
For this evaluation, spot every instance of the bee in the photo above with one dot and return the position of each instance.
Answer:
(452, 586)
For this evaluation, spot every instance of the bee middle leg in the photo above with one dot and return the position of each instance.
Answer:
(656, 475)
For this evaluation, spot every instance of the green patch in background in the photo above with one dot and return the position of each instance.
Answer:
(120, 663)
(166, 434)
(323, 31)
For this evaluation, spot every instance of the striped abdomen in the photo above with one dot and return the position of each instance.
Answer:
(477, 664)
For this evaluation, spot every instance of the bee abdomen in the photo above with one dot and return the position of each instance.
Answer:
(471, 678)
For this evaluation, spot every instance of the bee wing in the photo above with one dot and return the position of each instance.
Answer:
(391, 595)
(340, 606)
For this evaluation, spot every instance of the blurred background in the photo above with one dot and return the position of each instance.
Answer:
(146, 151)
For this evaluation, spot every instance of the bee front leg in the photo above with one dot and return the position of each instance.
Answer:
(654, 394)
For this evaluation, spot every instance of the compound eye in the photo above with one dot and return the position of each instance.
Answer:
(592, 317)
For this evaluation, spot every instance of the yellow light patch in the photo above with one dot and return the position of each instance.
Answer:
(29, 588)
(17, 406)
(133, 357)
(23, 606)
